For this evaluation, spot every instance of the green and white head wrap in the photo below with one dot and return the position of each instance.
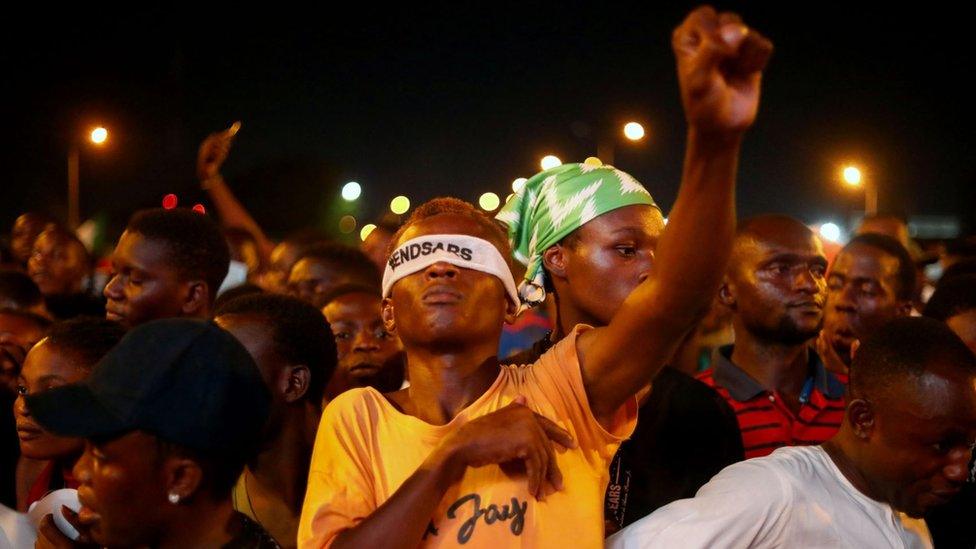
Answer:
(556, 202)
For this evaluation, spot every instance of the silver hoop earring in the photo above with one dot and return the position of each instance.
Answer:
(174, 498)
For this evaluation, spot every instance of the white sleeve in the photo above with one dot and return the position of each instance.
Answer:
(746, 505)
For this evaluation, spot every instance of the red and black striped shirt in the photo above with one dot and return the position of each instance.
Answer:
(766, 423)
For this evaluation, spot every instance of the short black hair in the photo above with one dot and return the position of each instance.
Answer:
(237, 291)
(86, 338)
(18, 291)
(197, 246)
(300, 333)
(959, 268)
(345, 259)
(346, 289)
(952, 297)
(890, 246)
(448, 205)
(906, 347)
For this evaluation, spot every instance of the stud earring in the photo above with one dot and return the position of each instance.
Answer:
(174, 498)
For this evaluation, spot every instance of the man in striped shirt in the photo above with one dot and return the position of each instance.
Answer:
(776, 384)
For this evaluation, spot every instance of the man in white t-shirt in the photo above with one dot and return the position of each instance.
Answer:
(903, 448)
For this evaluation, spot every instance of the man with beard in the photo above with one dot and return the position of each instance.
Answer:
(778, 387)
(369, 355)
(871, 282)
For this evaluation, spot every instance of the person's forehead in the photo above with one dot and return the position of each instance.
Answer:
(445, 223)
(636, 219)
(761, 247)
(865, 261)
(143, 253)
(945, 397)
(353, 305)
(19, 326)
(45, 358)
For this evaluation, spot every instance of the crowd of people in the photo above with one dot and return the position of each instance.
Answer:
(575, 371)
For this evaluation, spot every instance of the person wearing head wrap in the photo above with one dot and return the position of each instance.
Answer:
(589, 232)
(556, 202)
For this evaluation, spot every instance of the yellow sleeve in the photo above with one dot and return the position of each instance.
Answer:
(558, 375)
(340, 483)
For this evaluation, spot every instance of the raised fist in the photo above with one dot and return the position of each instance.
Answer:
(720, 64)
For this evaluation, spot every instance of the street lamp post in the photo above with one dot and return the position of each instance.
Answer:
(97, 136)
(852, 176)
(606, 141)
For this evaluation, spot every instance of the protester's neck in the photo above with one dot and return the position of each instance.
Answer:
(568, 315)
(776, 366)
(442, 384)
(202, 523)
(842, 451)
(282, 468)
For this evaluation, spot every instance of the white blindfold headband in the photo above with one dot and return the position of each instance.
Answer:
(461, 250)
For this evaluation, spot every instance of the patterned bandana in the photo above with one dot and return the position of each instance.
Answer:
(556, 202)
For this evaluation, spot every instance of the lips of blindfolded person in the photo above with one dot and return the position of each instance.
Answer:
(775, 284)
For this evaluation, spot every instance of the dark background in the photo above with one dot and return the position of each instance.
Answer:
(459, 100)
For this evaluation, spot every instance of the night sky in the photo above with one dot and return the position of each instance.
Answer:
(459, 100)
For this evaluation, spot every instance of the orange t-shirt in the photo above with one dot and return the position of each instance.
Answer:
(365, 450)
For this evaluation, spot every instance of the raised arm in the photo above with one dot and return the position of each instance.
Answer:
(213, 151)
(720, 63)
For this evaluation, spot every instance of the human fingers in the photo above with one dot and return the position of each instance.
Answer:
(553, 475)
(555, 432)
(74, 521)
(48, 535)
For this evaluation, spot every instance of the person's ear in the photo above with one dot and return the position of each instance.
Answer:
(511, 311)
(197, 298)
(555, 260)
(726, 293)
(184, 478)
(389, 322)
(293, 382)
(861, 416)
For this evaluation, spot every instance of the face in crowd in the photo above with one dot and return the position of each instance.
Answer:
(597, 266)
(45, 367)
(445, 304)
(863, 293)
(145, 285)
(369, 355)
(58, 263)
(776, 284)
(25, 230)
(283, 258)
(18, 333)
(915, 428)
(312, 280)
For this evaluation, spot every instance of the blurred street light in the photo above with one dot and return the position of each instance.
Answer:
(400, 205)
(550, 161)
(351, 191)
(853, 177)
(830, 231)
(489, 202)
(634, 131)
(347, 224)
(364, 232)
(98, 136)
(518, 184)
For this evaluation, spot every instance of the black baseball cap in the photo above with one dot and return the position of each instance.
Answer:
(186, 381)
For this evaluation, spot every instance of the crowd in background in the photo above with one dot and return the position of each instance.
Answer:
(573, 368)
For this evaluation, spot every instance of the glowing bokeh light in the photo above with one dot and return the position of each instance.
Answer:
(518, 184)
(351, 191)
(170, 201)
(852, 176)
(364, 232)
(99, 135)
(400, 205)
(347, 224)
(634, 131)
(550, 161)
(830, 231)
(489, 202)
